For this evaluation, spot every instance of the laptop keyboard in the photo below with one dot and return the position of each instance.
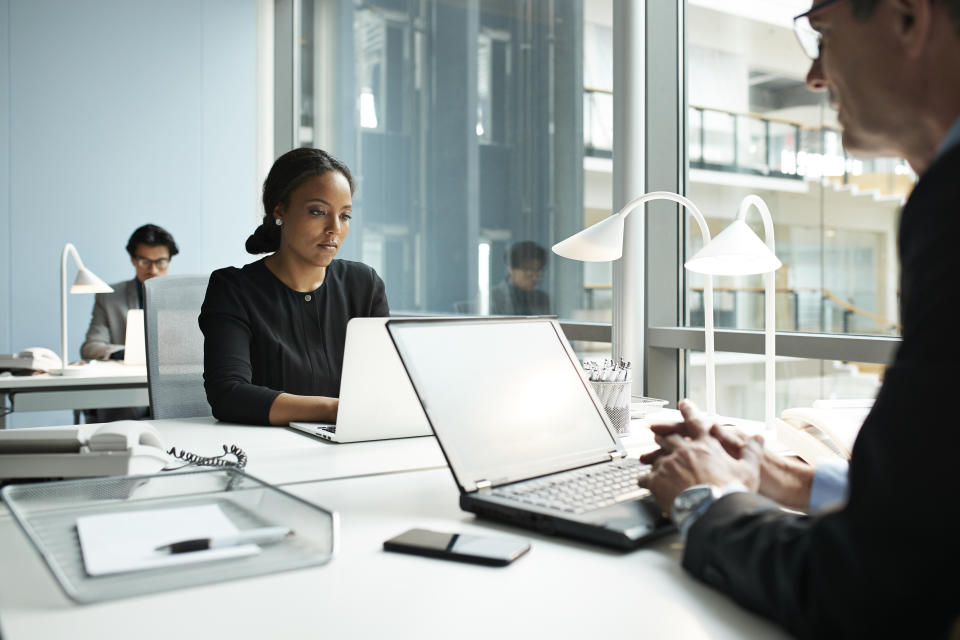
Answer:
(579, 490)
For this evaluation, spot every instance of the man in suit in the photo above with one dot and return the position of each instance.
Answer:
(884, 561)
(150, 248)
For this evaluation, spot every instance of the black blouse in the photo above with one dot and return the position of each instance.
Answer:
(262, 338)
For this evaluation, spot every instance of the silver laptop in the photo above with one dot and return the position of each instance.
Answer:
(522, 430)
(376, 399)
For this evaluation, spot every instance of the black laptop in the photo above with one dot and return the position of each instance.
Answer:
(525, 436)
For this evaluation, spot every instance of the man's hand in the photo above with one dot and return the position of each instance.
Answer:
(690, 455)
(783, 480)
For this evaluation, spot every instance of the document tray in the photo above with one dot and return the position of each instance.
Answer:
(48, 512)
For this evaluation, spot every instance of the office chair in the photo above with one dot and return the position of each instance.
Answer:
(175, 346)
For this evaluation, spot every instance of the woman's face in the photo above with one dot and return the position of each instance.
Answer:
(316, 219)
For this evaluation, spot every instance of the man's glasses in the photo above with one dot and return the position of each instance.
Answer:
(146, 263)
(809, 37)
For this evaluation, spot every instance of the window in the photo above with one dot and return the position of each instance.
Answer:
(750, 125)
(464, 126)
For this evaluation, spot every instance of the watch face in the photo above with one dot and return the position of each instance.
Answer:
(688, 500)
(693, 496)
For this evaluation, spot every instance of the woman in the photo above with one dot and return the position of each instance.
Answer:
(274, 330)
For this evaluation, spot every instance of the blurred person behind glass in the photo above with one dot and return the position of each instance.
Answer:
(518, 294)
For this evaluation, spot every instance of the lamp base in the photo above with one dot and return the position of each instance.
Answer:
(72, 370)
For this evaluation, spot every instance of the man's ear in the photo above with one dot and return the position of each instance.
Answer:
(913, 24)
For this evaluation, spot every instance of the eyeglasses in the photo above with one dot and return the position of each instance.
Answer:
(146, 263)
(809, 37)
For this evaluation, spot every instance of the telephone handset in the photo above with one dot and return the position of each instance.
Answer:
(821, 431)
(125, 447)
(33, 359)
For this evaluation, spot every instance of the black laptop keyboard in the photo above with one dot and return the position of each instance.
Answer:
(580, 490)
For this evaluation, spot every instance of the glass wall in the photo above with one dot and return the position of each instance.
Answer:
(464, 125)
(754, 127)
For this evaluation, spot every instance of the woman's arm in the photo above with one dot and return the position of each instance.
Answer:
(287, 408)
(227, 368)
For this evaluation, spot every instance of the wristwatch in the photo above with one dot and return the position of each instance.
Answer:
(693, 500)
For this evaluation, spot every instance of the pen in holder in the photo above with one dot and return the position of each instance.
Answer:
(615, 398)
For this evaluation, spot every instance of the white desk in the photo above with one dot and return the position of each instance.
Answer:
(104, 385)
(279, 455)
(560, 589)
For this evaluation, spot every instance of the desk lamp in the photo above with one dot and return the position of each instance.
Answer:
(86, 282)
(738, 251)
(603, 242)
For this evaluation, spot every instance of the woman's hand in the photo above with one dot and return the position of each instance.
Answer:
(287, 408)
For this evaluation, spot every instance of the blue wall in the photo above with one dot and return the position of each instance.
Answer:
(114, 113)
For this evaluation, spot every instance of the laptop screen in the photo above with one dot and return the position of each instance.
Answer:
(506, 398)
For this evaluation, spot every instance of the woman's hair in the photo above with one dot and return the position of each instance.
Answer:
(152, 236)
(289, 171)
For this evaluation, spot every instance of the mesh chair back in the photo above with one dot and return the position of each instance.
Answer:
(175, 346)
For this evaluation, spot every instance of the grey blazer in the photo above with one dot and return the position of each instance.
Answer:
(108, 326)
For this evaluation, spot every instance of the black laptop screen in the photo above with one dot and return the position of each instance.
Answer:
(505, 397)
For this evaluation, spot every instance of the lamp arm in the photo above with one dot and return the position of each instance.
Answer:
(761, 206)
(674, 197)
(769, 319)
(71, 250)
(708, 350)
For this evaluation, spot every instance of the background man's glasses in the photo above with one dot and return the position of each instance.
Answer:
(146, 263)
(809, 37)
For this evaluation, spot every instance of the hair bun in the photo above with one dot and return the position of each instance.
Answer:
(264, 239)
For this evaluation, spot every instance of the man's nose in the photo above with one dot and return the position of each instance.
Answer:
(815, 79)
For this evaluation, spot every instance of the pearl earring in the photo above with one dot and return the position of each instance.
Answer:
(278, 221)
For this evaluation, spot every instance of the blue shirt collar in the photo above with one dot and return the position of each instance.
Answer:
(952, 139)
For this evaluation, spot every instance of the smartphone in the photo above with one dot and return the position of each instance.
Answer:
(495, 552)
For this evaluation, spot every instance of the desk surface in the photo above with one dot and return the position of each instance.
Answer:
(279, 455)
(97, 374)
(560, 589)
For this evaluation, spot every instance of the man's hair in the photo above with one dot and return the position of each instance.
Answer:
(864, 9)
(152, 236)
(522, 252)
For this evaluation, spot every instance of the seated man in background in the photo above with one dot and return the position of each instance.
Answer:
(518, 295)
(150, 248)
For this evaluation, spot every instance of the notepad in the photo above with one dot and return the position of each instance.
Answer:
(127, 541)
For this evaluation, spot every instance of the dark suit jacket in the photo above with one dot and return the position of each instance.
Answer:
(887, 563)
(108, 324)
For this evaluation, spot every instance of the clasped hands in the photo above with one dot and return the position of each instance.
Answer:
(697, 450)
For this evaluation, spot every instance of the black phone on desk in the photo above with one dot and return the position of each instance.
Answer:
(496, 552)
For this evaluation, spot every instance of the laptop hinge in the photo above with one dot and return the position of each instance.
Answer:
(483, 484)
(615, 455)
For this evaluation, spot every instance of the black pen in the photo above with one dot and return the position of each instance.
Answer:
(264, 535)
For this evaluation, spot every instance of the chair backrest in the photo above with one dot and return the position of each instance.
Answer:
(175, 346)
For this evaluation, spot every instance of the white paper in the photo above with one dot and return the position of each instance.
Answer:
(127, 541)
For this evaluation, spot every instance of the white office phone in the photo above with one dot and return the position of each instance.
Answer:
(34, 358)
(825, 430)
(126, 447)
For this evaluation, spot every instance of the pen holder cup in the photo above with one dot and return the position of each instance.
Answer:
(615, 399)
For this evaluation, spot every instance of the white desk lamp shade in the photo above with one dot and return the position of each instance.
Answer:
(601, 242)
(735, 251)
(85, 282)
